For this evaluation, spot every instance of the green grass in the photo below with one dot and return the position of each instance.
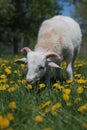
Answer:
(60, 106)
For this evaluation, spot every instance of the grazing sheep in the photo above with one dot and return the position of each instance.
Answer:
(59, 39)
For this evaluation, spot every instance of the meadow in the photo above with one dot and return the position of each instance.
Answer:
(60, 106)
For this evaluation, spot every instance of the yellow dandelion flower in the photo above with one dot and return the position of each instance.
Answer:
(58, 86)
(22, 66)
(15, 71)
(66, 97)
(47, 110)
(67, 91)
(12, 105)
(55, 107)
(81, 81)
(69, 81)
(8, 70)
(4, 122)
(3, 80)
(78, 75)
(3, 76)
(80, 90)
(82, 108)
(2, 88)
(10, 116)
(19, 81)
(23, 81)
(80, 65)
(29, 86)
(84, 86)
(3, 65)
(12, 89)
(77, 100)
(69, 104)
(42, 85)
(43, 105)
(38, 118)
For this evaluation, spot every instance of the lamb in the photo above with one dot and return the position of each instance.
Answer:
(59, 39)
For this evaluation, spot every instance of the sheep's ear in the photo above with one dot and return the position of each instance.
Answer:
(25, 49)
(21, 61)
(52, 54)
(52, 64)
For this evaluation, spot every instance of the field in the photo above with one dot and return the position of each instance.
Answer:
(60, 106)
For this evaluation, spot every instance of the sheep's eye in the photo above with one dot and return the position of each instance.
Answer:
(41, 67)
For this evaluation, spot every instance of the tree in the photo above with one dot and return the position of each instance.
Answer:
(81, 15)
(22, 18)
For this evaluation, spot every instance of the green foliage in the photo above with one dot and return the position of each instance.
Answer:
(80, 14)
(62, 105)
(24, 17)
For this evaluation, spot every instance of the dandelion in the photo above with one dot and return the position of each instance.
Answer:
(58, 86)
(12, 105)
(66, 97)
(23, 81)
(12, 89)
(3, 65)
(67, 91)
(80, 90)
(81, 81)
(8, 70)
(82, 108)
(43, 105)
(69, 81)
(42, 85)
(80, 65)
(55, 107)
(77, 100)
(2, 88)
(78, 75)
(3, 76)
(10, 116)
(3, 80)
(39, 119)
(15, 72)
(22, 66)
(4, 122)
(69, 104)
(84, 86)
(29, 86)
(47, 110)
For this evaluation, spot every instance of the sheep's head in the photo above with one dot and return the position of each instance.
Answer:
(37, 63)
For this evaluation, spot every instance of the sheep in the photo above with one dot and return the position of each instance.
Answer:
(59, 39)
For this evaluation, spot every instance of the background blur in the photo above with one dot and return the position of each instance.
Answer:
(20, 21)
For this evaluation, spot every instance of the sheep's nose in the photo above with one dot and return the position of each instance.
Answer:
(29, 81)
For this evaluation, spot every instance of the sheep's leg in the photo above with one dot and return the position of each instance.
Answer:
(69, 70)
(58, 73)
(48, 76)
(76, 51)
(69, 61)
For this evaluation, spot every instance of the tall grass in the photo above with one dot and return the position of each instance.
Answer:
(60, 106)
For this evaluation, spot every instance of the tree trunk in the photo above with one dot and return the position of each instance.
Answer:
(15, 45)
(22, 42)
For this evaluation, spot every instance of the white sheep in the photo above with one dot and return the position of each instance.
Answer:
(59, 39)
